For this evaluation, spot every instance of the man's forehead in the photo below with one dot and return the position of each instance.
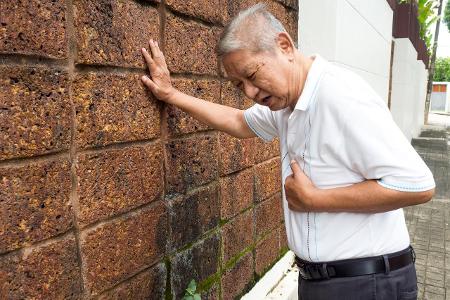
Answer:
(235, 66)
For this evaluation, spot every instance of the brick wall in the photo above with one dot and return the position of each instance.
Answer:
(106, 193)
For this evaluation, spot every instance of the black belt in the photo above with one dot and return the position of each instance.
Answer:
(355, 267)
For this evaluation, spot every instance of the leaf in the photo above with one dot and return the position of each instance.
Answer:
(189, 297)
(197, 297)
(192, 286)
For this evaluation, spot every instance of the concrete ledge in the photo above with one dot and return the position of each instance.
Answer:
(281, 279)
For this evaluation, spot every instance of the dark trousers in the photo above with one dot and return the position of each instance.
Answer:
(400, 284)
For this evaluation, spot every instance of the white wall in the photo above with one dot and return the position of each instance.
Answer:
(409, 78)
(356, 34)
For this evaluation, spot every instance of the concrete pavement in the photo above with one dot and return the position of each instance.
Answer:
(429, 224)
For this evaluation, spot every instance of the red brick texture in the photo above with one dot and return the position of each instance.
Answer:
(107, 193)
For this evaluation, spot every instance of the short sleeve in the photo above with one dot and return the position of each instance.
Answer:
(377, 149)
(261, 121)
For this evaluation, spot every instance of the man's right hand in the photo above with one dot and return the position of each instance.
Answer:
(159, 83)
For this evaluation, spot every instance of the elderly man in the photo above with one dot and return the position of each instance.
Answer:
(347, 169)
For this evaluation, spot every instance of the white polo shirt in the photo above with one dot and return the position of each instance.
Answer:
(341, 133)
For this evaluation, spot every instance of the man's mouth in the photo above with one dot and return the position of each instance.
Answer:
(266, 100)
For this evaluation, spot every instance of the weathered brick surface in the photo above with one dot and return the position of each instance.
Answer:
(237, 280)
(190, 46)
(237, 235)
(198, 263)
(214, 11)
(236, 193)
(193, 215)
(235, 154)
(212, 294)
(35, 204)
(267, 251)
(179, 122)
(267, 179)
(34, 111)
(34, 28)
(113, 108)
(265, 151)
(268, 214)
(232, 96)
(112, 32)
(116, 250)
(149, 284)
(116, 181)
(283, 238)
(191, 162)
(47, 272)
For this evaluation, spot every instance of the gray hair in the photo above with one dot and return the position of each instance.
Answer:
(254, 29)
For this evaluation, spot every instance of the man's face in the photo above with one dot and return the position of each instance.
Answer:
(265, 77)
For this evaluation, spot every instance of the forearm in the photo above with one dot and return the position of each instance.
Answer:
(366, 197)
(220, 117)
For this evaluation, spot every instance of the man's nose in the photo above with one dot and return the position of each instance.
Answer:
(250, 90)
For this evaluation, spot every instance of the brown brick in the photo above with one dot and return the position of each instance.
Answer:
(267, 179)
(34, 111)
(191, 162)
(214, 11)
(237, 235)
(283, 238)
(150, 284)
(265, 151)
(117, 181)
(49, 271)
(211, 294)
(235, 154)
(118, 249)
(179, 122)
(238, 279)
(198, 263)
(35, 204)
(112, 32)
(190, 46)
(268, 214)
(290, 3)
(232, 96)
(236, 193)
(193, 215)
(33, 28)
(267, 251)
(112, 108)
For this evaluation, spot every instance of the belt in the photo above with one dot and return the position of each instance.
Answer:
(355, 267)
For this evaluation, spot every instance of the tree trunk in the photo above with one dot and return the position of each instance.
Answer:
(432, 61)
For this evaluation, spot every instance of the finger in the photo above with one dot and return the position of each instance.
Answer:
(148, 82)
(154, 49)
(148, 59)
(161, 55)
(295, 167)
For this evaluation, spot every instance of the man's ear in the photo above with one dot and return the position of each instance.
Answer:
(285, 43)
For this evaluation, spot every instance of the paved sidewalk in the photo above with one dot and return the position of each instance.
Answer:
(429, 224)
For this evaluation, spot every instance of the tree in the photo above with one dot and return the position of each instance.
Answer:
(442, 69)
(447, 15)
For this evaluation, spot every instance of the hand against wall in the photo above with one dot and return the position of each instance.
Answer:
(159, 83)
(299, 190)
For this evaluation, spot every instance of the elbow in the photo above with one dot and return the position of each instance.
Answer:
(425, 196)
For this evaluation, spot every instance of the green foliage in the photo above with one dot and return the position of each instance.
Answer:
(442, 69)
(191, 292)
(447, 15)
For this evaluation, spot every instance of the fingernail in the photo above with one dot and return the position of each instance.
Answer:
(156, 43)
(292, 161)
(143, 49)
(144, 77)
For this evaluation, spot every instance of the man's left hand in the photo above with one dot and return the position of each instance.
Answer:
(299, 189)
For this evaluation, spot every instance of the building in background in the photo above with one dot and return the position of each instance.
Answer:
(440, 97)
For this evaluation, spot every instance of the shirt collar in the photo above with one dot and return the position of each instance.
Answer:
(312, 79)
